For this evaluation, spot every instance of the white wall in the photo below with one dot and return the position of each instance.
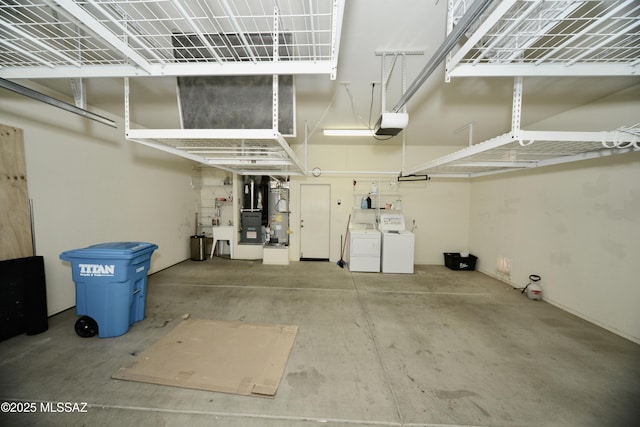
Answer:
(440, 208)
(577, 225)
(90, 185)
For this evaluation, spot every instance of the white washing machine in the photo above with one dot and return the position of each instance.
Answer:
(364, 248)
(397, 244)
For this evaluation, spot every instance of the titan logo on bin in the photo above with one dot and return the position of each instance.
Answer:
(97, 270)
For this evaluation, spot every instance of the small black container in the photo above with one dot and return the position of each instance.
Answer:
(198, 248)
(454, 261)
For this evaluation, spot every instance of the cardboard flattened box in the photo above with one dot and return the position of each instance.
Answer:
(230, 357)
(454, 261)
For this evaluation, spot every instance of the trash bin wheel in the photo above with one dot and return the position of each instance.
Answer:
(86, 327)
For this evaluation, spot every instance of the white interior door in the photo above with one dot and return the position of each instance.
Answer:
(315, 220)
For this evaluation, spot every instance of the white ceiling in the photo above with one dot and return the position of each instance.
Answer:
(437, 112)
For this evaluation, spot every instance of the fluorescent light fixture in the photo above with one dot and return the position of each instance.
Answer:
(348, 132)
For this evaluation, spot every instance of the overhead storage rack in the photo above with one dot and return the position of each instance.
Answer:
(529, 149)
(541, 38)
(243, 151)
(119, 38)
(548, 38)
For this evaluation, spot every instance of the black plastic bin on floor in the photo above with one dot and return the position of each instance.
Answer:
(454, 261)
(111, 286)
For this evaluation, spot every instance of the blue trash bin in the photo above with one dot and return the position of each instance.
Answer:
(111, 285)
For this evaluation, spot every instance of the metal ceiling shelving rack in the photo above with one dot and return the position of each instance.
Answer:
(117, 38)
(242, 151)
(124, 38)
(549, 38)
(530, 149)
(542, 38)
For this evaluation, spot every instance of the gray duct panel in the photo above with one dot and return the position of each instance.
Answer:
(236, 102)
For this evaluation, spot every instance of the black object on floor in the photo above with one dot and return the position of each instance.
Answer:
(23, 297)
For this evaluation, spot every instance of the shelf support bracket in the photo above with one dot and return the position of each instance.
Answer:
(516, 109)
(79, 93)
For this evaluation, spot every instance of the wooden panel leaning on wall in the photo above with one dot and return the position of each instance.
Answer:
(15, 218)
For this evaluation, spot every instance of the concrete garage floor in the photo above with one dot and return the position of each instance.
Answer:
(435, 348)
